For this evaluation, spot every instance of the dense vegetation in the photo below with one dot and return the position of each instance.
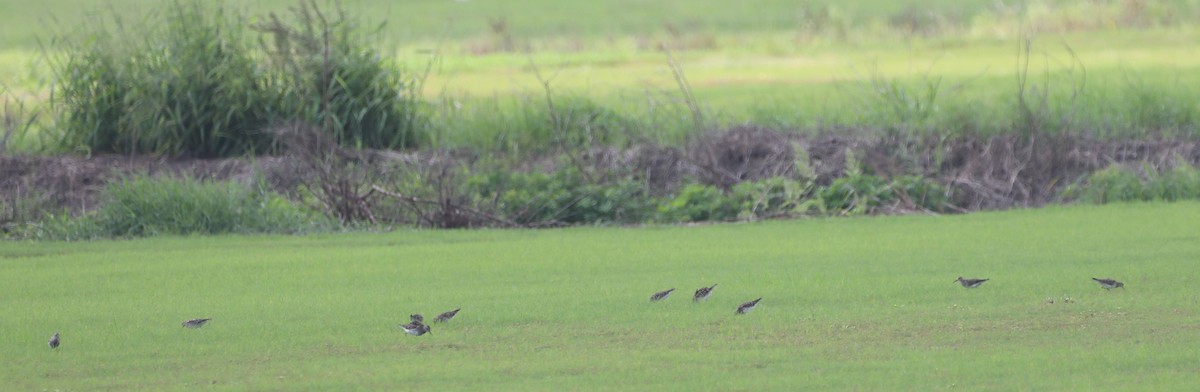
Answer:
(450, 197)
(193, 85)
(144, 206)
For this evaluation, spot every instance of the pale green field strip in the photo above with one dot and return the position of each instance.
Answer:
(746, 79)
(863, 303)
(760, 63)
(798, 66)
(432, 20)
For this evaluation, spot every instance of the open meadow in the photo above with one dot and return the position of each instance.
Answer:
(864, 304)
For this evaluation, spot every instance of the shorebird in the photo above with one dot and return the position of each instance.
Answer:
(415, 328)
(970, 283)
(417, 318)
(195, 323)
(661, 295)
(1109, 284)
(748, 306)
(703, 293)
(444, 317)
(54, 341)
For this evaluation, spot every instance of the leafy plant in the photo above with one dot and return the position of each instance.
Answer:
(563, 196)
(921, 193)
(776, 196)
(698, 203)
(857, 194)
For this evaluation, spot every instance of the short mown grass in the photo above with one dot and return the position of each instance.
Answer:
(863, 303)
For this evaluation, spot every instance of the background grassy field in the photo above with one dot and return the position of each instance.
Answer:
(432, 20)
(1111, 68)
(848, 304)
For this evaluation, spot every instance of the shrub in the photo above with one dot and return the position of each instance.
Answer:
(326, 73)
(144, 206)
(768, 198)
(776, 197)
(525, 198)
(193, 84)
(921, 193)
(1114, 183)
(563, 196)
(187, 85)
(622, 201)
(1181, 182)
(698, 203)
(1118, 183)
(857, 194)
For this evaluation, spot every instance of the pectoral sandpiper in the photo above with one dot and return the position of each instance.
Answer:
(661, 295)
(195, 323)
(748, 306)
(444, 317)
(970, 283)
(703, 293)
(1109, 284)
(415, 328)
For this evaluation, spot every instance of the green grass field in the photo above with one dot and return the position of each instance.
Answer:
(866, 304)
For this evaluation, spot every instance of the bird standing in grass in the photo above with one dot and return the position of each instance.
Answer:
(1109, 284)
(703, 293)
(748, 306)
(417, 318)
(661, 295)
(444, 317)
(195, 323)
(970, 283)
(415, 328)
(54, 341)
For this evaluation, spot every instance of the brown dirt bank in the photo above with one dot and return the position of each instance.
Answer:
(993, 172)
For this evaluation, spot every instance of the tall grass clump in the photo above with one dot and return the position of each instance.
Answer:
(189, 80)
(141, 206)
(327, 74)
(183, 82)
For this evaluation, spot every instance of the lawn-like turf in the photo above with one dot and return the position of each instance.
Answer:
(865, 303)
